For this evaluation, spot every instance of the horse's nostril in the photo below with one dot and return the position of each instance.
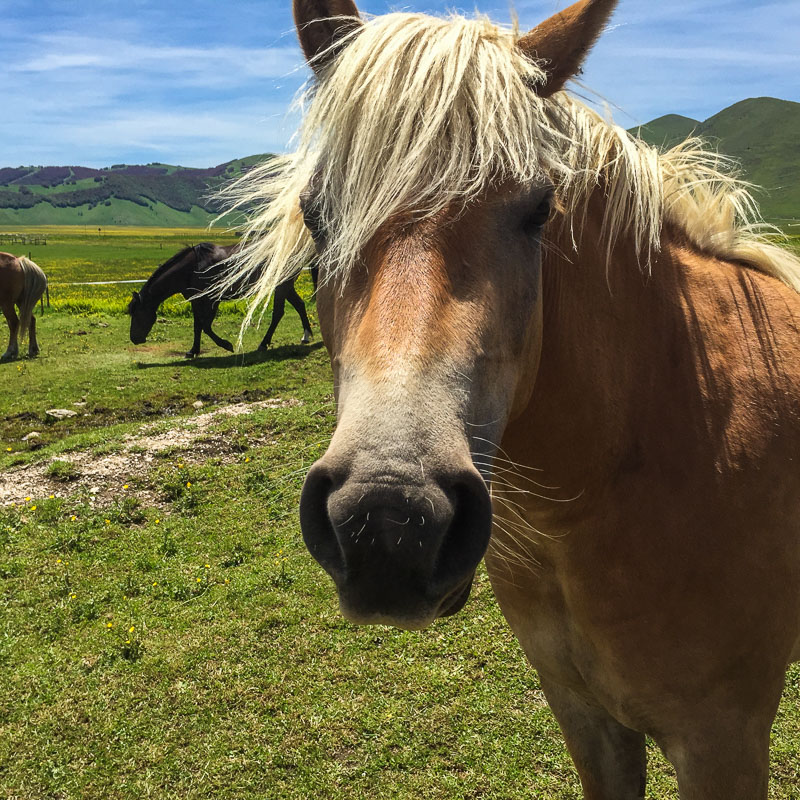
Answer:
(466, 538)
(318, 531)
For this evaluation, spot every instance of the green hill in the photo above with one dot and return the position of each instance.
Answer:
(762, 133)
(150, 194)
(667, 130)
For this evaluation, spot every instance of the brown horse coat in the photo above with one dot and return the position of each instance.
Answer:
(22, 283)
(666, 593)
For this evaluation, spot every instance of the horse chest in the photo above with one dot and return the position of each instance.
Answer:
(592, 653)
(534, 593)
(634, 621)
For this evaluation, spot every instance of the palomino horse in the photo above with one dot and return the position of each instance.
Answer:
(195, 272)
(22, 283)
(534, 318)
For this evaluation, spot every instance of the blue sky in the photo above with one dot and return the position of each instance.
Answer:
(198, 83)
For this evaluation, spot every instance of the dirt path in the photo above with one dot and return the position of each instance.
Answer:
(105, 475)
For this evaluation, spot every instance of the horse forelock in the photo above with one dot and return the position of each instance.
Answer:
(418, 114)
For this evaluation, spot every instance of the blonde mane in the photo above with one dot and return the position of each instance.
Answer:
(421, 113)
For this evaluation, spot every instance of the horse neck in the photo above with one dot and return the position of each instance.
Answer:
(210, 267)
(170, 282)
(610, 334)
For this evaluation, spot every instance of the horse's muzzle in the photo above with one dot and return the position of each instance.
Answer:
(401, 551)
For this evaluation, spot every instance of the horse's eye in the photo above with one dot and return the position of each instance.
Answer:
(537, 218)
(312, 217)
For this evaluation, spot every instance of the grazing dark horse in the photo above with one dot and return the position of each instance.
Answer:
(535, 319)
(22, 283)
(193, 272)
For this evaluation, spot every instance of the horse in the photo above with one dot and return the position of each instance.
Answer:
(22, 283)
(195, 272)
(561, 350)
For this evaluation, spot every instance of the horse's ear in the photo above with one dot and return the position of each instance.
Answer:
(321, 25)
(563, 41)
(136, 295)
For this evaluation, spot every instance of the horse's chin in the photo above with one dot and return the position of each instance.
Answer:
(416, 620)
(456, 600)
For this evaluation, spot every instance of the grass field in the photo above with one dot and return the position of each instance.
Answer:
(163, 631)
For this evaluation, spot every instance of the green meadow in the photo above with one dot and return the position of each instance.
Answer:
(164, 632)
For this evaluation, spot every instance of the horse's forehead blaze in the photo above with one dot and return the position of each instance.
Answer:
(422, 300)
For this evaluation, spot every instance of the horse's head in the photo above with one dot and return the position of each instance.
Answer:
(433, 346)
(434, 328)
(143, 317)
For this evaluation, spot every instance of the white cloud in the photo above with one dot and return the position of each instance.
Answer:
(219, 65)
(699, 54)
(92, 100)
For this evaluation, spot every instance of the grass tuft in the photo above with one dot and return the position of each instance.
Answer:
(63, 471)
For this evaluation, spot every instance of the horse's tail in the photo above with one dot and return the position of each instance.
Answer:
(35, 282)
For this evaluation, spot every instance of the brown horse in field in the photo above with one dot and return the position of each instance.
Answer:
(22, 283)
(556, 347)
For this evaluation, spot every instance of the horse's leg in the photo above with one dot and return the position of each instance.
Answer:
(198, 330)
(13, 326)
(33, 345)
(609, 757)
(723, 756)
(278, 305)
(211, 312)
(300, 307)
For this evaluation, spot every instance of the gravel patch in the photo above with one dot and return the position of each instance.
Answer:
(103, 476)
